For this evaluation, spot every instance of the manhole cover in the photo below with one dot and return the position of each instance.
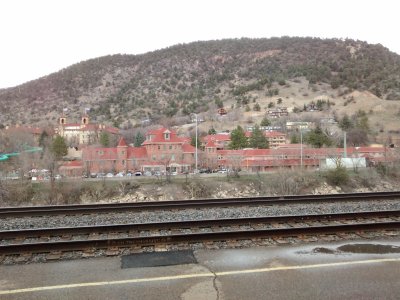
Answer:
(157, 259)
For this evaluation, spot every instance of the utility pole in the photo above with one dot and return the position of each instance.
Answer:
(195, 171)
(301, 149)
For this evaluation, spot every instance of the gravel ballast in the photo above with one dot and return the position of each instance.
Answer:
(194, 214)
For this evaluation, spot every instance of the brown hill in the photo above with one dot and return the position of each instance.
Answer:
(197, 77)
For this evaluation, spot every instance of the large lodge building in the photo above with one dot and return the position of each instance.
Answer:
(165, 151)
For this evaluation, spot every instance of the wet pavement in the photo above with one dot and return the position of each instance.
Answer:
(341, 270)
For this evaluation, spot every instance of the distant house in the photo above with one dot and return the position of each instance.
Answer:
(296, 126)
(275, 138)
(221, 111)
(277, 112)
(83, 133)
(220, 140)
(199, 118)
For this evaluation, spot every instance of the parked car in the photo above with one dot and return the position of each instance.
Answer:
(222, 171)
(120, 174)
(147, 173)
(109, 175)
(138, 173)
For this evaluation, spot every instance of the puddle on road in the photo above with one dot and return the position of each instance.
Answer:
(369, 248)
(323, 250)
(358, 249)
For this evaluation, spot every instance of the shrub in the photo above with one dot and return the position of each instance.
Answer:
(368, 178)
(196, 189)
(338, 176)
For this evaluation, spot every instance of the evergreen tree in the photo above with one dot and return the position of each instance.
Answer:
(139, 139)
(193, 142)
(318, 138)
(44, 142)
(257, 139)
(294, 139)
(104, 139)
(345, 123)
(43, 139)
(238, 139)
(265, 122)
(59, 147)
(256, 107)
(212, 131)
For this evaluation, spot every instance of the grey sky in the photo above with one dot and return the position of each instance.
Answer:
(39, 37)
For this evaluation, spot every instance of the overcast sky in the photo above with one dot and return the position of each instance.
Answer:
(39, 37)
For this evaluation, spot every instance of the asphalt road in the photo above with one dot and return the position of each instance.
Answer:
(311, 271)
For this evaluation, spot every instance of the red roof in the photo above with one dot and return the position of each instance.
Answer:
(158, 136)
(219, 137)
(122, 143)
(210, 144)
(187, 148)
(274, 134)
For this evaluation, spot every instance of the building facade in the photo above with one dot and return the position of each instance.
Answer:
(84, 133)
(162, 151)
(165, 151)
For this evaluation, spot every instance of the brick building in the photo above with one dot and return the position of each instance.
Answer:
(162, 151)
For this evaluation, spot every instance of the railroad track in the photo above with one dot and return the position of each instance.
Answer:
(118, 238)
(186, 204)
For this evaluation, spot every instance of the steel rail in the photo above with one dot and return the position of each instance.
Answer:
(101, 229)
(80, 245)
(185, 204)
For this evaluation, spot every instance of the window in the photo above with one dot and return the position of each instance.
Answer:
(173, 157)
(170, 147)
(159, 147)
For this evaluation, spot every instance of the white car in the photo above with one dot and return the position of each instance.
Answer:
(109, 175)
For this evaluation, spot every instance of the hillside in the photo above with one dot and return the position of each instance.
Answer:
(199, 76)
